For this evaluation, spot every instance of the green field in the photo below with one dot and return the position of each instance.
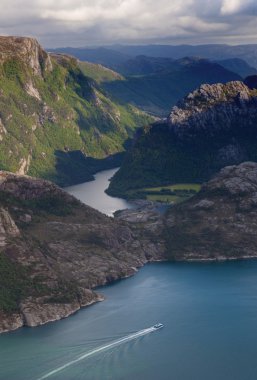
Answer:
(179, 186)
(169, 194)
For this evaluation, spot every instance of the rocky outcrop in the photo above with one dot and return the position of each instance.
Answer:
(28, 51)
(220, 222)
(212, 127)
(213, 108)
(55, 250)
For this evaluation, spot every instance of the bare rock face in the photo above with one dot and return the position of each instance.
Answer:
(212, 127)
(26, 49)
(220, 222)
(54, 250)
(214, 107)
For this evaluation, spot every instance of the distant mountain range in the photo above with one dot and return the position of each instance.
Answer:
(155, 83)
(165, 82)
(116, 54)
(213, 51)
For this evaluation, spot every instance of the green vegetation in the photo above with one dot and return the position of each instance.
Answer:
(51, 204)
(159, 158)
(169, 194)
(194, 187)
(63, 111)
(99, 73)
(14, 283)
(157, 92)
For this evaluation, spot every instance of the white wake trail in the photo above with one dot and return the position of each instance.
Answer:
(99, 349)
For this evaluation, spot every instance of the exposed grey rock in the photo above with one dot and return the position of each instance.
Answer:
(66, 255)
(214, 107)
(28, 50)
(220, 222)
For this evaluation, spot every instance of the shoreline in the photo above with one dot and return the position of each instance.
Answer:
(100, 297)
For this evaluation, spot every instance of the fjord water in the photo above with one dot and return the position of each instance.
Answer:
(209, 312)
(210, 317)
(92, 193)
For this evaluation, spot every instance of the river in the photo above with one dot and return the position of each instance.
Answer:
(92, 193)
(209, 312)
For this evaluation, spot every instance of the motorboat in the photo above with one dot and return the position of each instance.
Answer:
(158, 326)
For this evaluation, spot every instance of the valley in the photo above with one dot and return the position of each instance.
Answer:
(128, 190)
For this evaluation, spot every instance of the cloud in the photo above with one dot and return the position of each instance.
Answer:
(89, 22)
(231, 7)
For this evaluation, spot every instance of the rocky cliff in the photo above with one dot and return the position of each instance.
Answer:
(218, 223)
(48, 108)
(27, 51)
(55, 250)
(214, 126)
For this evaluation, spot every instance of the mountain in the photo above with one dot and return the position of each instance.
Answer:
(213, 51)
(212, 127)
(167, 81)
(143, 65)
(238, 66)
(54, 250)
(99, 73)
(218, 223)
(154, 84)
(118, 54)
(104, 56)
(53, 117)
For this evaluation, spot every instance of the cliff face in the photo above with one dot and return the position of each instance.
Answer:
(26, 50)
(48, 108)
(54, 250)
(218, 223)
(214, 108)
(214, 126)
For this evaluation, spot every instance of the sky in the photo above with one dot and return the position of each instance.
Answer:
(75, 23)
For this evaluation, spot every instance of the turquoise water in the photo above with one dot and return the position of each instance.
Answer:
(209, 312)
(210, 317)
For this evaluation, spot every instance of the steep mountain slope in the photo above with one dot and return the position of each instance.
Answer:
(214, 126)
(143, 65)
(238, 66)
(218, 223)
(99, 73)
(54, 250)
(167, 81)
(48, 108)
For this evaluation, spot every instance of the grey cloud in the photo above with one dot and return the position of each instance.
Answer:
(94, 22)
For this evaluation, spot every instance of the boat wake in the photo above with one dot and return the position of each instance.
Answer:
(102, 348)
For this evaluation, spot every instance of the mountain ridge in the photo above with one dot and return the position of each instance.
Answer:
(48, 105)
(212, 127)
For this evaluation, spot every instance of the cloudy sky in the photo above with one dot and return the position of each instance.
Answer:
(98, 22)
